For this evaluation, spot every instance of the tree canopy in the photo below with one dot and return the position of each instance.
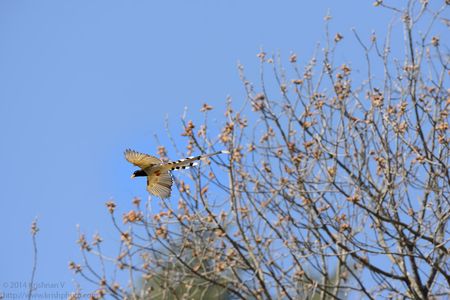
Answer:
(335, 186)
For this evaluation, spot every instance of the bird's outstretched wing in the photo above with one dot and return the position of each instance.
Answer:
(160, 184)
(140, 159)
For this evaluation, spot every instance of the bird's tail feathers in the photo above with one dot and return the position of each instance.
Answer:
(191, 161)
(215, 153)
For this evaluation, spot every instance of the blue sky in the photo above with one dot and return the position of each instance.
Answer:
(80, 81)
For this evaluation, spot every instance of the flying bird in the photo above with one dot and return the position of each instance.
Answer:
(159, 179)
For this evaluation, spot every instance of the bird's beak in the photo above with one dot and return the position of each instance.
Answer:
(132, 176)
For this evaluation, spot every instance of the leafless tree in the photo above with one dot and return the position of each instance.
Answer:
(333, 188)
(34, 231)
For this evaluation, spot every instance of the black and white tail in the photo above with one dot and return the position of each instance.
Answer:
(191, 161)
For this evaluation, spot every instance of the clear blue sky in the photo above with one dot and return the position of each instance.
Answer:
(80, 81)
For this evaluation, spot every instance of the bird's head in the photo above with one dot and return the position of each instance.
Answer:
(138, 173)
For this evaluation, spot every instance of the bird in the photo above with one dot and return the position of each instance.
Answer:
(158, 173)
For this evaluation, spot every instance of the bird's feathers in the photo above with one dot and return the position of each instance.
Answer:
(188, 162)
(159, 179)
(141, 160)
(160, 184)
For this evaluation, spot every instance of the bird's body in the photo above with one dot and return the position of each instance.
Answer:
(159, 179)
